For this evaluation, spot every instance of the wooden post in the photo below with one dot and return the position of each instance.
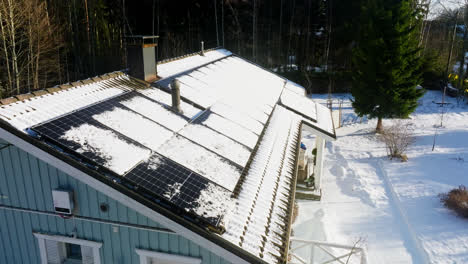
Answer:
(320, 145)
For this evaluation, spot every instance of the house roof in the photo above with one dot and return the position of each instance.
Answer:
(227, 163)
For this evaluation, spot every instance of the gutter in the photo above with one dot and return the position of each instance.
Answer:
(198, 235)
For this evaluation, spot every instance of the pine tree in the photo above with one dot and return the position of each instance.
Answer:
(387, 66)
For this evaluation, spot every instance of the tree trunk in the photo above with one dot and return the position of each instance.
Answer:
(7, 61)
(279, 34)
(379, 128)
(13, 45)
(291, 23)
(239, 28)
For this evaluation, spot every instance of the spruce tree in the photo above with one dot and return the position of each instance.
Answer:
(387, 65)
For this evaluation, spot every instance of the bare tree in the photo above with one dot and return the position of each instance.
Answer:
(30, 45)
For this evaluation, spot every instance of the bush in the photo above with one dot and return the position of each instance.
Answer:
(397, 139)
(456, 200)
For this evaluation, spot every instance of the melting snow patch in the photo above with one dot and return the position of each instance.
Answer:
(119, 155)
(214, 202)
(135, 127)
(173, 190)
(154, 162)
(202, 161)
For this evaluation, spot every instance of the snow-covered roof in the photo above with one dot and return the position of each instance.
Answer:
(228, 159)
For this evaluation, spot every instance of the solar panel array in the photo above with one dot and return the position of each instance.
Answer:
(190, 160)
(80, 133)
(127, 133)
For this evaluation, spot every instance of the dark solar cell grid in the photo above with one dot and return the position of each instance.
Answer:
(57, 128)
(169, 180)
(159, 176)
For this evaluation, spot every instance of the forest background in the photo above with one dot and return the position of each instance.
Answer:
(48, 42)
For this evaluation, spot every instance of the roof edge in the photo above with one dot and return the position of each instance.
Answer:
(293, 198)
(60, 87)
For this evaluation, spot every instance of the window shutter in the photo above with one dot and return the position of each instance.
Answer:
(87, 254)
(54, 252)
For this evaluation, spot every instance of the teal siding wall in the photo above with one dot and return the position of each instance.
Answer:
(27, 182)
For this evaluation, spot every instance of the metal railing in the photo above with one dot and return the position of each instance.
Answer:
(325, 248)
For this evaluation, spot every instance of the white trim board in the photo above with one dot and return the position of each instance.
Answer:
(69, 240)
(177, 259)
(120, 197)
(41, 238)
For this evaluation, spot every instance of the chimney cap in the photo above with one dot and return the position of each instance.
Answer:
(141, 39)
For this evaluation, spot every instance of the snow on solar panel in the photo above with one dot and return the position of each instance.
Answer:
(300, 104)
(182, 187)
(202, 161)
(250, 110)
(165, 98)
(229, 128)
(203, 99)
(134, 126)
(181, 65)
(155, 112)
(42, 108)
(95, 142)
(213, 201)
(193, 82)
(217, 143)
(120, 156)
(239, 118)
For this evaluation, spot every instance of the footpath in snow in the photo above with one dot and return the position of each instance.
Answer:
(392, 207)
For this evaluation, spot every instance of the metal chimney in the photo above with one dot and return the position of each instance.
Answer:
(141, 57)
(175, 90)
(202, 52)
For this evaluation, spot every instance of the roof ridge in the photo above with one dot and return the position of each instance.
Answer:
(186, 56)
(60, 87)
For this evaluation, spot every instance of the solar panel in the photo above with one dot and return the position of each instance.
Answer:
(228, 128)
(217, 143)
(94, 141)
(176, 184)
(299, 104)
(201, 160)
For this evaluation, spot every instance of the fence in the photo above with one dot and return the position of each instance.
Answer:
(325, 248)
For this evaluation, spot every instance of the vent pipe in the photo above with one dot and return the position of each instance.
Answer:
(175, 90)
(202, 52)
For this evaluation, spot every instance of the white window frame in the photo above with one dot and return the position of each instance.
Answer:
(41, 238)
(177, 259)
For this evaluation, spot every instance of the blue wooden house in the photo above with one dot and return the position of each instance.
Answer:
(198, 166)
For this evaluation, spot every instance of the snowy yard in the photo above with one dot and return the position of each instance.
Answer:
(393, 206)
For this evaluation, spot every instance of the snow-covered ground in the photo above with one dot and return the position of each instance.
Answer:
(391, 206)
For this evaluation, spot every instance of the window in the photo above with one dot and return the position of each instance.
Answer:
(67, 250)
(73, 252)
(153, 257)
